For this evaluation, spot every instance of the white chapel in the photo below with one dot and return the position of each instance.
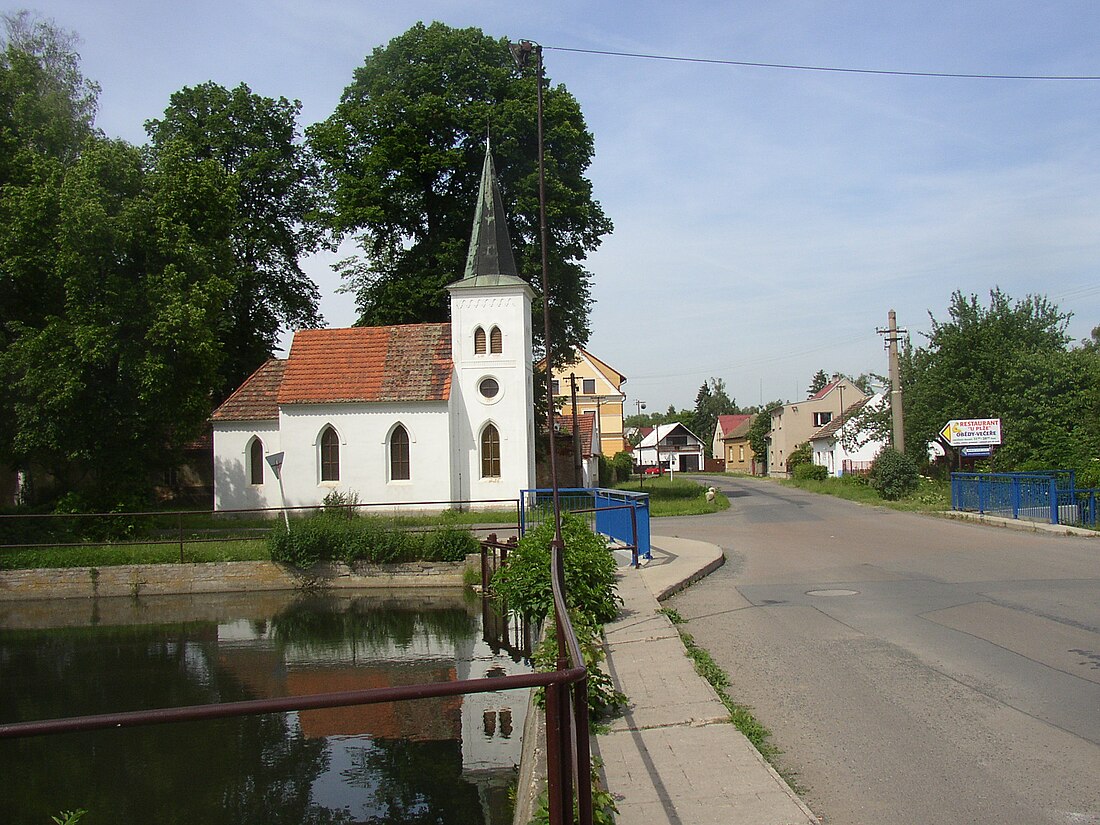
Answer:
(424, 413)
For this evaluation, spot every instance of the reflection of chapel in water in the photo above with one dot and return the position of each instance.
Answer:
(273, 661)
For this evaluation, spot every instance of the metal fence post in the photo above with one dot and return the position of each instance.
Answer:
(1054, 501)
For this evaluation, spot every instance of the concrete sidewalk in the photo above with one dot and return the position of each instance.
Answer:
(673, 756)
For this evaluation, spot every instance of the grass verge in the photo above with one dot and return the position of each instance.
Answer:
(931, 496)
(676, 497)
(741, 716)
(109, 555)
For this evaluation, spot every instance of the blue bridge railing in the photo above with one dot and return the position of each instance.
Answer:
(1049, 496)
(618, 514)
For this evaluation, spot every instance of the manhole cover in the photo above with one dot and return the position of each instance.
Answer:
(832, 592)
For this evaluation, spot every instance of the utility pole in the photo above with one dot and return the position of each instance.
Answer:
(890, 342)
(578, 471)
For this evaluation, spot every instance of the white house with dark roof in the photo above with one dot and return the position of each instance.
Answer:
(846, 445)
(423, 413)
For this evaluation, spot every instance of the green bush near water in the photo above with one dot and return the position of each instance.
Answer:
(524, 583)
(334, 536)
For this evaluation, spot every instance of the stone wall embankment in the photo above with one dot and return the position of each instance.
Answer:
(137, 580)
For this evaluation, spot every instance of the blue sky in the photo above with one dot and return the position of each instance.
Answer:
(766, 220)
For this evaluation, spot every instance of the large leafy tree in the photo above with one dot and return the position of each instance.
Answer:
(758, 432)
(111, 281)
(47, 112)
(1007, 360)
(118, 373)
(255, 140)
(402, 155)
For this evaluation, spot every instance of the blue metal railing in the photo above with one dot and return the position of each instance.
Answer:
(1049, 496)
(618, 514)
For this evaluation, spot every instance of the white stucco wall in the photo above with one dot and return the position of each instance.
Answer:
(364, 431)
(232, 487)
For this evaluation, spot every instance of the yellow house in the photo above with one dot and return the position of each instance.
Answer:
(598, 391)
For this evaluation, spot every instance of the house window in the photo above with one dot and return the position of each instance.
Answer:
(496, 341)
(822, 418)
(256, 462)
(490, 452)
(588, 386)
(479, 341)
(330, 455)
(399, 455)
(554, 388)
(741, 452)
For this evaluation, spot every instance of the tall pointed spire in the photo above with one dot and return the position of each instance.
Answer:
(490, 254)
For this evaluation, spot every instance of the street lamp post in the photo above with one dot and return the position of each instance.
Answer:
(639, 406)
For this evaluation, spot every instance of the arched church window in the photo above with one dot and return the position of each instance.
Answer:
(330, 455)
(256, 462)
(496, 341)
(490, 452)
(479, 341)
(400, 469)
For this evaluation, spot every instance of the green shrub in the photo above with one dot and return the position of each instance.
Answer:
(603, 699)
(1089, 477)
(803, 455)
(334, 536)
(817, 472)
(449, 544)
(523, 584)
(893, 474)
(623, 464)
(607, 472)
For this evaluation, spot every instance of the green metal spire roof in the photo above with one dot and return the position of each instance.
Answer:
(490, 261)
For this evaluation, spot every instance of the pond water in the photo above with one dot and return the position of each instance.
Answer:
(447, 761)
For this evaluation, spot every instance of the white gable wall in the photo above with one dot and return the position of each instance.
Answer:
(233, 489)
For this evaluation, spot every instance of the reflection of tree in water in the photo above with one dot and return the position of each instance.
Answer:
(256, 769)
(319, 621)
(419, 783)
(276, 787)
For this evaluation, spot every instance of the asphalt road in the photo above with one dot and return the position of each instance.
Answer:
(913, 669)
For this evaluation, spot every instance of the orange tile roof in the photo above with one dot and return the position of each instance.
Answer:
(410, 362)
(586, 423)
(255, 399)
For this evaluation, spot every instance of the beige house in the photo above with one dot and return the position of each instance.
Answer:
(731, 443)
(793, 424)
(598, 391)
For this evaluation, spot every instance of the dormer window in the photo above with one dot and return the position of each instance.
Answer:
(479, 341)
(496, 341)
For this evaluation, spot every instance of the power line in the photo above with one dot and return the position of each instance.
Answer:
(833, 69)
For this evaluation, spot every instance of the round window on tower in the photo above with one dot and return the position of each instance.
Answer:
(489, 388)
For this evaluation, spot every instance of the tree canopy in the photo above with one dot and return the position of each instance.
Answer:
(1008, 360)
(817, 383)
(139, 286)
(711, 401)
(254, 140)
(402, 155)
